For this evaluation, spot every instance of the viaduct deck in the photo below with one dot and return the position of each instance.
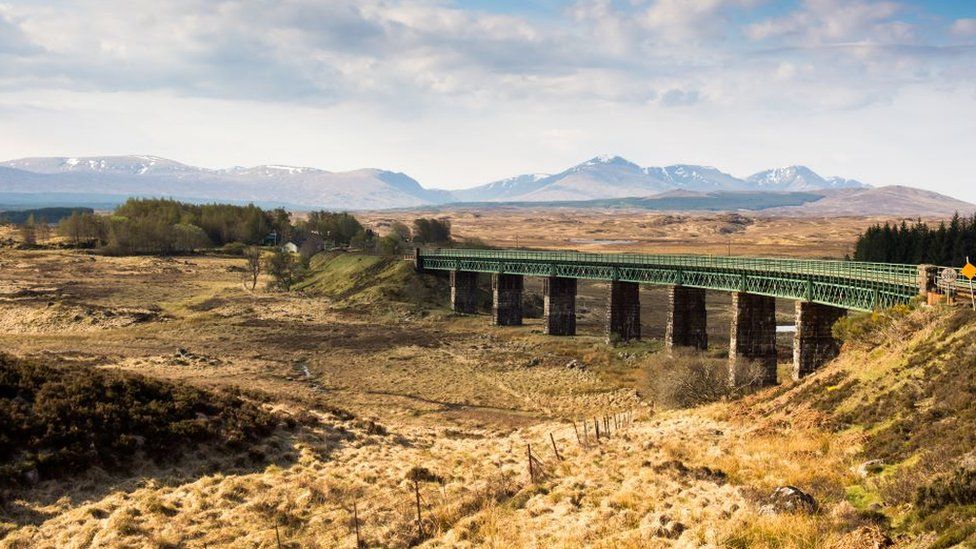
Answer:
(850, 285)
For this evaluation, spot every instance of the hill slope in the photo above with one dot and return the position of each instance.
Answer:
(901, 402)
(356, 280)
(890, 200)
(55, 421)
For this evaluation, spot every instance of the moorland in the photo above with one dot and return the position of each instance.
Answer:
(332, 414)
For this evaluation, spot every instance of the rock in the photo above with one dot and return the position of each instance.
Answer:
(788, 499)
(870, 467)
(575, 365)
(182, 351)
(534, 361)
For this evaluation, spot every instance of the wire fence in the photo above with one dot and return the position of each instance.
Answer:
(357, 518)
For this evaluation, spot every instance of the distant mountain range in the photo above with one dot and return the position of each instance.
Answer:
(104, 181)
(616, 177)
(124, 176)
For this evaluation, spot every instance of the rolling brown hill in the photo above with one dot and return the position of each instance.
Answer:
(889, 200)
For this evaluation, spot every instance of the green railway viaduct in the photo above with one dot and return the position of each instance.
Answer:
(824, 291)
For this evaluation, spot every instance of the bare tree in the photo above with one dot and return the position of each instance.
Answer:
(252, 267)
(28, 231)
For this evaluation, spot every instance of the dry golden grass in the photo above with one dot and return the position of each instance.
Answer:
(444, 393)
(648, 232)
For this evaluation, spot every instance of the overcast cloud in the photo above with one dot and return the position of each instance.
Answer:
(880, 91)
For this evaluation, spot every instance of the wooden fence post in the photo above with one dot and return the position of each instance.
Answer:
(596, 425)
(531, 466)
(554, 449)
(420, 525)
(277, 535)
(355, 522)
(575, 430)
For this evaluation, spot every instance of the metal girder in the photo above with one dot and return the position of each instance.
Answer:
(850, 285)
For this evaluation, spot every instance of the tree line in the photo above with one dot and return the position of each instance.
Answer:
(162, 226)
(947, 244)
(165, 226)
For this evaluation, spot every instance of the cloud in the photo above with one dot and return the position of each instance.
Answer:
(679, 98)
(964, 27)
(13, 41)
(413, 55)
(823, 22)
(680, 20)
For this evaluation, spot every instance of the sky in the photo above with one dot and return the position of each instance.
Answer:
(461, 92)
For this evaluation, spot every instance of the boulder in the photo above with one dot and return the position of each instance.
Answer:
(788, 499)
(870, 467)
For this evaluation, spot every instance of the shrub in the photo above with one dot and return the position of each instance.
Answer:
(868, 328)
(956, 488)
(686, 379)
(57, 420)
(285, 269)
(689, 378)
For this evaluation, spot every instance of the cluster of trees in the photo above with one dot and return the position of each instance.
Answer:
(425, 231)
(947, 244)
(51, 215)
(168, 226)
(33, 230)
(431, 231)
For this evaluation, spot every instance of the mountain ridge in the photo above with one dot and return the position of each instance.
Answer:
(616, 177)
(603, 177)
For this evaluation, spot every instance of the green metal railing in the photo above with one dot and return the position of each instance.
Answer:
(848, 284)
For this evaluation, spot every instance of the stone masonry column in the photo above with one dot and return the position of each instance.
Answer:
(464, 292)
(506, 309)
(687, 320)
(623, 312)
(560, 305)
(926, 279)
(813, 341)
(753, 338)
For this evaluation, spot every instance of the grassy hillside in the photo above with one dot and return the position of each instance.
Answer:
(353, 279)
(896, 413)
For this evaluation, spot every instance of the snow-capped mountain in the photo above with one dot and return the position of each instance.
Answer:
(111, 179)
(503, 189)
(114, 165)
(605, 177)
(293, 186)
(799, 178)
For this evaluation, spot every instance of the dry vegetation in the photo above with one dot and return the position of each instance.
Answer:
(750, 233)
(385, 388)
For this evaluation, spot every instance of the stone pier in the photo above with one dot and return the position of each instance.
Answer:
(506, 309)
(927, 276)
(752, 349)
(560, 305)
(623, 312)
(464, 292)
(813, 341)
(687, 320)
